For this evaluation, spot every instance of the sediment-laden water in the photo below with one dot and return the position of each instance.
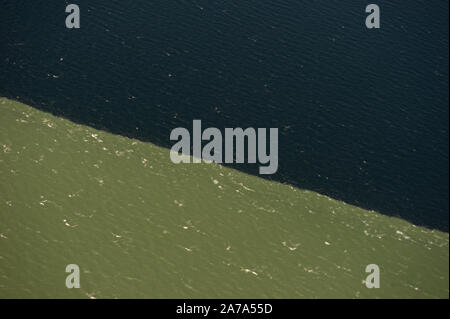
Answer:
(139, 226)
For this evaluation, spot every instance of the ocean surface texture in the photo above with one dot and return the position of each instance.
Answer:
(86, 178)
(140, 227)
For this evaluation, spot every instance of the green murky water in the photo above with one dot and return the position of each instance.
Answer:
(140, 226)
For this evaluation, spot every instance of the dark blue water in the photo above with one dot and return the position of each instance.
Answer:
(363, 114)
